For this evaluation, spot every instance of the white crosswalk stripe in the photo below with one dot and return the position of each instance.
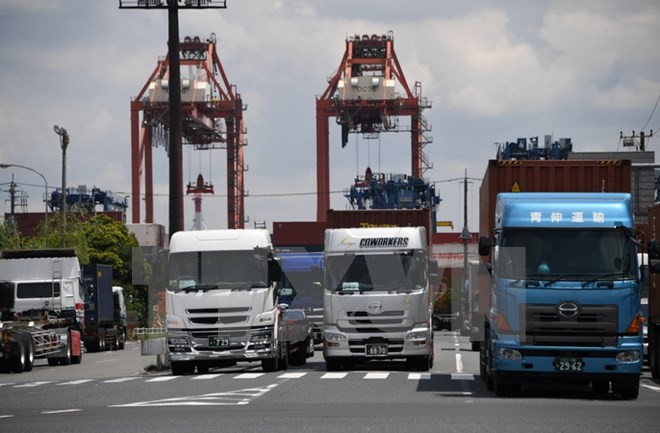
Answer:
(162, 379)
(334, 376)
(121, 379)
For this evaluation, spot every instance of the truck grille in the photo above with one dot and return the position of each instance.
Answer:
(366, 322)
(218, 316)
(592, 325)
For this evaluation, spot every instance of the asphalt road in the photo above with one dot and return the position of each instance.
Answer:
(118, 392)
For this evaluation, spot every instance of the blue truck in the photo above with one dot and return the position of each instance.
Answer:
(564, 293)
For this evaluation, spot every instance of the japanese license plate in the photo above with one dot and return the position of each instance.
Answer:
(219, 341)
(570, 365)
(376, 349)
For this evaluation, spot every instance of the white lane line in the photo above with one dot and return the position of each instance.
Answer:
(32, 384)
(207, 376)
(459, 363)
(7, 384)
(237, 397)
(162, 379)
(292, 375)
(376, 375)
(49, 412)
(6, 416)
(120, 380)
(334, 376)
(651, 387)
(75, 382)
(248, 375)
(419, 376)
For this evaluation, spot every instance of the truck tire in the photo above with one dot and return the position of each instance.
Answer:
(17, 361)
(66, 359)
(101, 339)
(284, 356)
(271, 364)
(29, 354)
(299, 357)
(627, 387)
(122, 339)
(180, 368)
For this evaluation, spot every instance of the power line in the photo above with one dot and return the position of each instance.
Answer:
(652, 112)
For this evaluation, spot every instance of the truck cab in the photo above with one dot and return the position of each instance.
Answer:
(565, 301)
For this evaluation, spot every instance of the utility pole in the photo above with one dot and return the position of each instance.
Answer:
(64, 143)
(176, 218)
(629, 140)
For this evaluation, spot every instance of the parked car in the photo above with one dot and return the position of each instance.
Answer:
(300, 335)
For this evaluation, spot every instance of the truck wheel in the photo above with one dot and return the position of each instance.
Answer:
(66, 359)
(269, 365)
(182, 367)
(299, 357)
(332, 364)
(29, 354)
(101, 339)
(122, 340)
(627, 387)
(17, 362)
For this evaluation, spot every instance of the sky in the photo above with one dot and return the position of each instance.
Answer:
(493, 71)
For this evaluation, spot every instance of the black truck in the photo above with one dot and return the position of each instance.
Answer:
(105, 310)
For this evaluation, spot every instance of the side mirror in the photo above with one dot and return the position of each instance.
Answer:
(484, 246)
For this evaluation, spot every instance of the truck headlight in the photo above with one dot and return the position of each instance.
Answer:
(261, 338)
(178, 341)
(628, 356)
(510, 354)
(333, 339)
(417, 337)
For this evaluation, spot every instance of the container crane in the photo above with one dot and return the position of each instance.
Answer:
(212, 118)
(198, 188)
(363, 98)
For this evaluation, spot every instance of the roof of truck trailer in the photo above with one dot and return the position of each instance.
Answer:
(567, 210)
(216, 240)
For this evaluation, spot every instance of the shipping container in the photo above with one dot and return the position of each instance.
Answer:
(548, 176)
(381, 218)
(653, 313)
(298, 235)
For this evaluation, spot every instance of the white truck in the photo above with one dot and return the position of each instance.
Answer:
(377, 296)
(41, 308)
(221, 301)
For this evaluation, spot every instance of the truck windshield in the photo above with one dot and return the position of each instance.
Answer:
(557, 254)
(208, 270)
(377, 272)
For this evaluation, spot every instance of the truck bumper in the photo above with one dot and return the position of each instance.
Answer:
(512, 360)
(390, 345)
(257, 344)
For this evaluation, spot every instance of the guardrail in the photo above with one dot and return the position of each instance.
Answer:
(145, 333)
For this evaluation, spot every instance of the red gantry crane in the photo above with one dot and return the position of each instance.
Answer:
(363, 99)
(212, 118)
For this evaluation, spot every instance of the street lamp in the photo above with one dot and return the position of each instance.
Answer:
(64, 142)
(45, 197)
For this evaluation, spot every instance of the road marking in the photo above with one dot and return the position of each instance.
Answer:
(75, 382)
(651, 387)
(206, 376)
(419, 376)
(376, 375)
(7, 416)
(248, 375)
(120, 380)
(230, 398)
(32, 384)
(162, 379)
(459, 363)
(334, 375)
(292, 375)
(49, 412)
(7, 384)
(462, 376)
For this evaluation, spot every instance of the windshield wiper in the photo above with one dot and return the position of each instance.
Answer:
(603, 277)
(202, 287)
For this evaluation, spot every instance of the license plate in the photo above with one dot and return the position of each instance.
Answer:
(571, 365)
(376, 349)
(219, 341)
